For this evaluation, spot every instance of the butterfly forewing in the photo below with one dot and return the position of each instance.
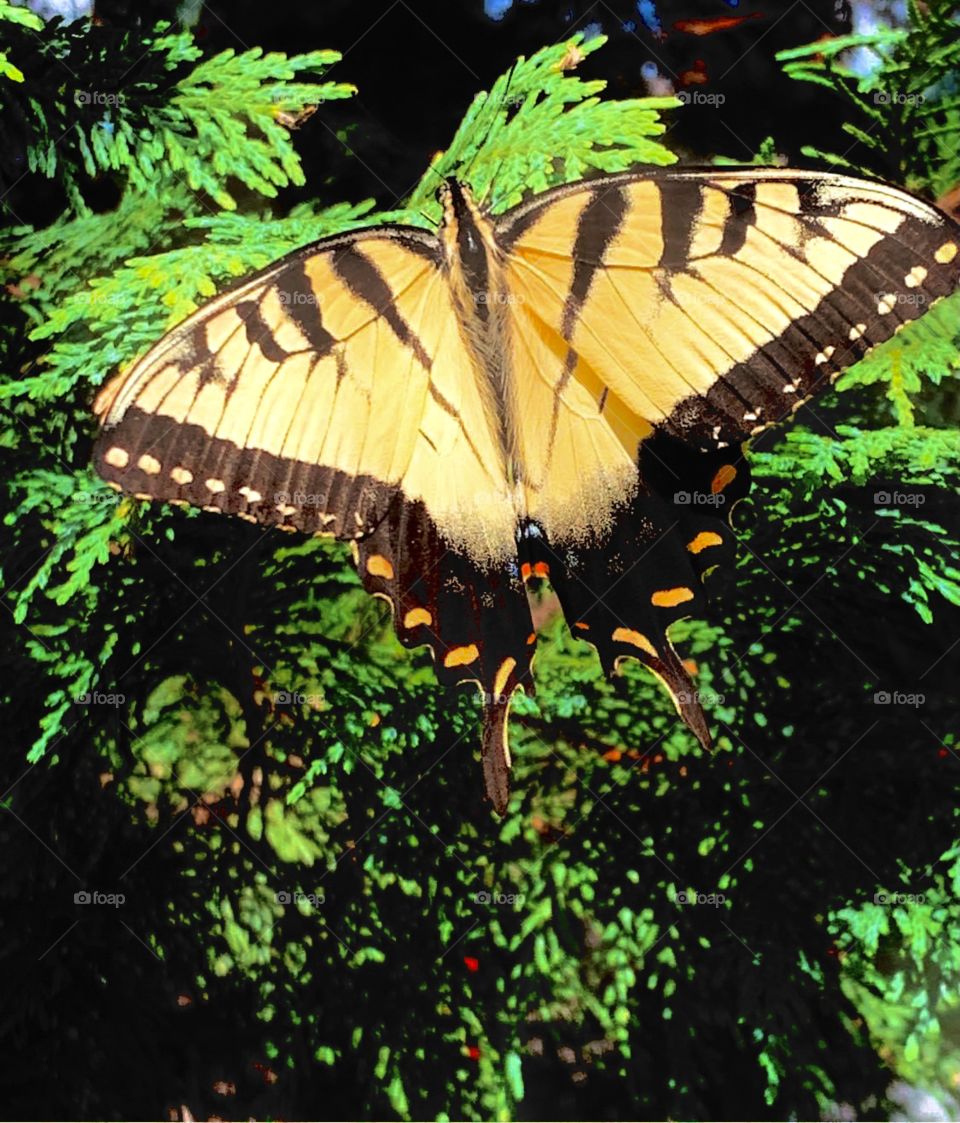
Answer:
(717, 300)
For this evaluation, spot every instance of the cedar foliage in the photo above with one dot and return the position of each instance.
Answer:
(319, 908)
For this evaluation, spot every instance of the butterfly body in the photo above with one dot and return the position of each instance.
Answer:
(560, 391)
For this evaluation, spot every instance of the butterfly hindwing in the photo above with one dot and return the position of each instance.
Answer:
(475, 619)
(622, 592)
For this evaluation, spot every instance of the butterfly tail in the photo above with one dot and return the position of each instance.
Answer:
(496, 750)
(669, 669)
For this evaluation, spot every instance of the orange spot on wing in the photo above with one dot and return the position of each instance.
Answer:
(703, 540)
(541, 569)
(461, 656)
(637, 639)
(532, 638)
(525, 571)
(379, 566)
(417, 616)
(726, 474)
(584, 627)
(669, 598)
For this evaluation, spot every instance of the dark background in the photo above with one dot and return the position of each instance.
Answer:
(417, 65)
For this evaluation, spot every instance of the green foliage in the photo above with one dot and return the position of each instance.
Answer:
(901, 961)
(905, 110)
(25, 18)
(181, 120)
(306, 798)
(538, 128)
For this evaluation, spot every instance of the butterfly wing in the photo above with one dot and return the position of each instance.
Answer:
(331, 394)
(659, 321)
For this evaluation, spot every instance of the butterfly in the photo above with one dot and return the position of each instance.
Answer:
(559, 393)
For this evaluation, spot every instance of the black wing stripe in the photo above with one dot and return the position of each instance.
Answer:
(364, 280)
(742, 216)
(302, 305)
(259, 333)
(680, 214)
(597, 227)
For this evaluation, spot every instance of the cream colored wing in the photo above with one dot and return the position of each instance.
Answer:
(314, 394)
(709, 303)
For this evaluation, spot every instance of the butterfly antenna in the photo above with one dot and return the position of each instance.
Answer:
(504, 101)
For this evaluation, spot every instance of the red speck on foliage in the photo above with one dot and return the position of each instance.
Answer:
(471, 963)
(943, 753)
(473, 1052)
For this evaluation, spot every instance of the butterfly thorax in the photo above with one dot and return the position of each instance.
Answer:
(475, 266)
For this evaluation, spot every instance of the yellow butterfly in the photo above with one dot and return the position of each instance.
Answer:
(560, 391)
